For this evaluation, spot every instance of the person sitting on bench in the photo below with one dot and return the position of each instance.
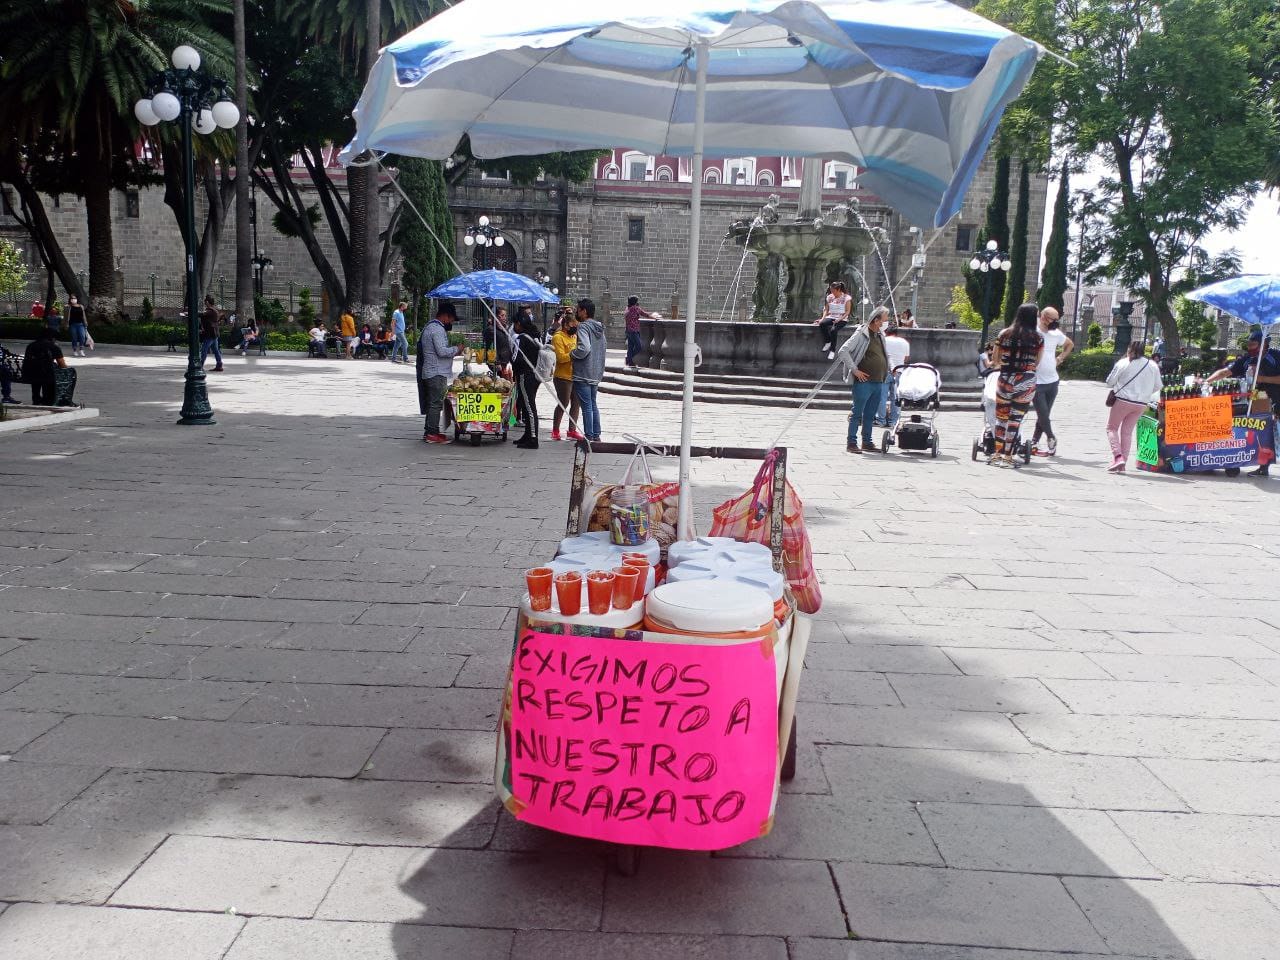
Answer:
(42, 358)
(315, 345)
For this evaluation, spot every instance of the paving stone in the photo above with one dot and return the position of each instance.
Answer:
(467, 888)
(433, 615)
(31, 793)
(220, 874)
(212, 633)
(268, 938)
(563, 945)
(681, 892)
(925, 904)
(989, 694)
(100, 658)
(1165, 919)
(1204, 846)
(68, 865)
(1174, 669)
(130, 697)
(942, 616)
(1047, 779)
(809, 949)
(1222, 786)
(338, 705)
(1191, 739)
(899, 727)
(808, 827)
(328, 666)
(878, 658)
(17, 729)
(1214, 644)
(867, 689)
(1200, 700)
(1026, 663)
(327, 636)
(10, 680)
(1268, 670)
(304, 809)
(38, 931)
(1081, 641)
(443, 756)
(461, 640)
(1027, 839)
(215, 746)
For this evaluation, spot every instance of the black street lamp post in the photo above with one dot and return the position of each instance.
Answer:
(197, 101)
(484, 235)
(260, 262)
(544, 278)
(987, 262)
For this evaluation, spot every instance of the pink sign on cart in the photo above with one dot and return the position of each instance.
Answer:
(664, 744)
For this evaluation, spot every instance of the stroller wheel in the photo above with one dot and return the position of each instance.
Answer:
(977, 445)
(933, 449)
(885, 441)
(1026, 452)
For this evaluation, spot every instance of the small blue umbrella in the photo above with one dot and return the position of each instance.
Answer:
(1254, 297)
(494, 285)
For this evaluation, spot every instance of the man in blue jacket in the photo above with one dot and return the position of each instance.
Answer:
(435, 366)
(588, 366)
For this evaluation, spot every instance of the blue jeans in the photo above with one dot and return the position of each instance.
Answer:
(79, 336)
(634, 346)
(586, 394)
(868, 397)
(895, 410)
(208, 346)
(401, 347)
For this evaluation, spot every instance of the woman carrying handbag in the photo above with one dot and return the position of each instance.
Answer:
(1139, 385)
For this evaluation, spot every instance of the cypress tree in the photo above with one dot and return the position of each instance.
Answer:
(1053, 280)
(1016, 288)
(426, 265)
(996, 228)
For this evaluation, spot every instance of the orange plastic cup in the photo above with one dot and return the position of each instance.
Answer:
(626, 584)
(599, 591)
(569, 593)
(640, 562)
(538, 581)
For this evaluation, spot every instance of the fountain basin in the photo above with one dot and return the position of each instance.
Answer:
(809, 251)
(791, 349)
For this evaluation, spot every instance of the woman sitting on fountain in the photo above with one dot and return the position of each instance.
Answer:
(835, 315)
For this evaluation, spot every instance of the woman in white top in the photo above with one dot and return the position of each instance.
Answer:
(835, 315)
(1135, 380)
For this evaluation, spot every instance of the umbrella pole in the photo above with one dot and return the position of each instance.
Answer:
(684, 529)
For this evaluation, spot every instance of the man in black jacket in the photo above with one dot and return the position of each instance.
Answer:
(42, 358)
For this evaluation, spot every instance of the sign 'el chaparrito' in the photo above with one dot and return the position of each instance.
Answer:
(665, 744)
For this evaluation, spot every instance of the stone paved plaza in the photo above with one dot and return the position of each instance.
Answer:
(249, 679)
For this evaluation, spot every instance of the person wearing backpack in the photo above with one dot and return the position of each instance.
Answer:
(588, 366)
(42, 358)
(525, 366)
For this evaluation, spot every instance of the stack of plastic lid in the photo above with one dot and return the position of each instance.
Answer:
(722, 560)
(733, 611)
(599, 540)
(685, 550)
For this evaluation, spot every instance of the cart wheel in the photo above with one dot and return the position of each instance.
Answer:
(1232, 471)
(884, 442)
(976, 445)
(933, 449)
(475, 439)
(789, 758)
(1026, 452)
(626, 859)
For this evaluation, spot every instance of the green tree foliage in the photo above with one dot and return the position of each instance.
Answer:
(996, 228)
(1177, 99)
(1094, 336)
(1053, 279)
(1194, 323)
(426, 265)
(306, 309)
(1016, 285)
(13, 268)
(962, 310)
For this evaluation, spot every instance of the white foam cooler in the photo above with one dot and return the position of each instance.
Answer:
(684, 551)
(598, 540)
(612, 620)
(730, 609)
(715, 569)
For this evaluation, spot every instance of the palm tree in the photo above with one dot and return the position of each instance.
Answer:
(76, 67)
(244, 243)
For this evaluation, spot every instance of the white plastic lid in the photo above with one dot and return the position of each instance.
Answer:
(763, 577)
(599, 540)
(728, 608)
(682, 551)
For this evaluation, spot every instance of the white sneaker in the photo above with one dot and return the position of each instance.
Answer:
(831, 354)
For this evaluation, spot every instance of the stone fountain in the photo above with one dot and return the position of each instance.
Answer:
(796, 260)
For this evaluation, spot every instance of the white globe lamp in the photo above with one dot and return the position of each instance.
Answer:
(499, 241)
(146, 116)
(985, 267)
(975, 264)
(204, 124)
(166, 106)
(991, 245)
(186, 58)
(1006, 265)
(484, 221)
(226, 114)
(469, 240)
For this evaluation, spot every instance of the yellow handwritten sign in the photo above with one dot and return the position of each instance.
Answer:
(1197, 420)
(479, 407)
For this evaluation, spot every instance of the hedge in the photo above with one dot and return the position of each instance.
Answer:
(1091, 363)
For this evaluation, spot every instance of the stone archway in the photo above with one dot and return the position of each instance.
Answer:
(494, 258)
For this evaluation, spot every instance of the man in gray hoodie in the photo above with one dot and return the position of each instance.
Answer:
(435, 365)
(588, 366)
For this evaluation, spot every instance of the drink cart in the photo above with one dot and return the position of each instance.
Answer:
(639, 735)
(1200, 428)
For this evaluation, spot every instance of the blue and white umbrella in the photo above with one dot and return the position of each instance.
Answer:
(1254, 298)
(911, 91)
(494, 285)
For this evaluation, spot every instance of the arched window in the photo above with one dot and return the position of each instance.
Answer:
(664, 174)
(740, 172)
(636, 165)
(839, 176)
(765, 179)
(611, 171)
(711, 175)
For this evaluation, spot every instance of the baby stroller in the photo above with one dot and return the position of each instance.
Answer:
(985, 445)
(918, 386)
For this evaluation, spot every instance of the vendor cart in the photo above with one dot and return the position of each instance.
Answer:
(643, 738)
(480, 414)
(1200, 434)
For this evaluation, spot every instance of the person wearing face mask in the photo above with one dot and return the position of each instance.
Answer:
(1263, 368)
(865, 359)
(435, 365)
(588, 366)
(564, 341)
